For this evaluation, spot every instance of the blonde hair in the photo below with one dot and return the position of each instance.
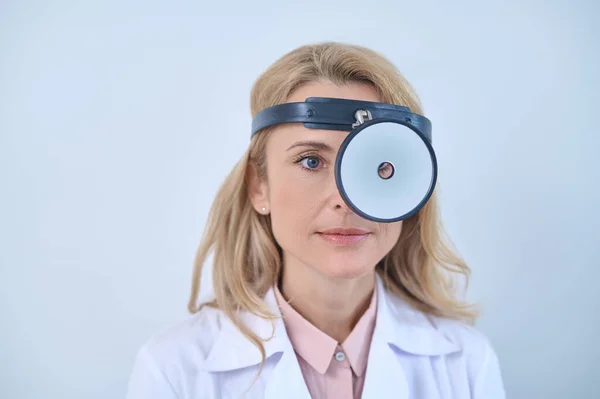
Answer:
(421, 268)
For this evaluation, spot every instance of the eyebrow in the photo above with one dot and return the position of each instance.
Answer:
(319, 145)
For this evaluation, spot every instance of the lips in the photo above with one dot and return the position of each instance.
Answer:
(343, 235)
(345, 231)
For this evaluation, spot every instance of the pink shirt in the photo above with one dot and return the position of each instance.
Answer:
(330, 370)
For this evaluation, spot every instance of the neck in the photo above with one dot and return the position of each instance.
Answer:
(333, 305)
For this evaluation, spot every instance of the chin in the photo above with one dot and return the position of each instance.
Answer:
(345, 269)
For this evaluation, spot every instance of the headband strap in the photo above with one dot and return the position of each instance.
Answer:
(338, 114)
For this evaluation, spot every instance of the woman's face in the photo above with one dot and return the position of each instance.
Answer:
(302, 197)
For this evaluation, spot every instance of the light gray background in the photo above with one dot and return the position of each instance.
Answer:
(119, 120)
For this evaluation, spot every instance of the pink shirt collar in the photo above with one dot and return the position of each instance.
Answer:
(318, 349)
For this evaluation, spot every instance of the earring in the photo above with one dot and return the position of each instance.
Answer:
(263, 209)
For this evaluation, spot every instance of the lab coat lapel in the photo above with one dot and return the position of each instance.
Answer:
(286, 380)
(398, 328)
(385, 377)
(233, 351)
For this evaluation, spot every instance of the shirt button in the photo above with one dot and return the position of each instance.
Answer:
(340, 357)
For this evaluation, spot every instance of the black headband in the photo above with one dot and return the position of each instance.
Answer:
(338, 114)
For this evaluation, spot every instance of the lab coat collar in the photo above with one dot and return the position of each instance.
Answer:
(232, 350)
(397, 324)
(408, 329)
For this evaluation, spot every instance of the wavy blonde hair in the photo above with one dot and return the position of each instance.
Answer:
(421, 268)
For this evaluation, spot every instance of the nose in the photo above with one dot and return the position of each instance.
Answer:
(335, 199)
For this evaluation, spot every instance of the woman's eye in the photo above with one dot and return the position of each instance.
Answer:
(311, 162)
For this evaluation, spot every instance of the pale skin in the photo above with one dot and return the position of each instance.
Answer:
(329, 285)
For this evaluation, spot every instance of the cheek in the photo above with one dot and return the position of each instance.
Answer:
(390, 233)
(294, 203)
(289, 197)
(294, 192)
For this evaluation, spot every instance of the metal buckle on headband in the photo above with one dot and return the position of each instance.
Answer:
(361, 117)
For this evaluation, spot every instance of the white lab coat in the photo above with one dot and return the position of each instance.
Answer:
(412, 356)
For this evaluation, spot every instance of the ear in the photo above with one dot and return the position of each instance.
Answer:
(258, 189)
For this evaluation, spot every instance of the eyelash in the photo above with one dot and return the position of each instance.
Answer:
(302, 157)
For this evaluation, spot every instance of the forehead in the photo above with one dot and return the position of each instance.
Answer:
(288, 133)
(351, 91)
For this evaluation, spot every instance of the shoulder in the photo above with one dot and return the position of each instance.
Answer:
(466, 351)
(417, 332)
(478, 355)
(471, 341)
(172, 360)
(190, 339)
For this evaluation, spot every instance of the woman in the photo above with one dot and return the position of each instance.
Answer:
(311, 298)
